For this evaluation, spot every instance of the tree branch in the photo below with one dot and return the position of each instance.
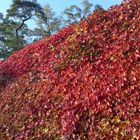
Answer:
(17, 29)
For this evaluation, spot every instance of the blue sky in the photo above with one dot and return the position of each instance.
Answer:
(59, 5)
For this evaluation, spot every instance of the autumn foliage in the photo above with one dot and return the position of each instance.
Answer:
(83, 83)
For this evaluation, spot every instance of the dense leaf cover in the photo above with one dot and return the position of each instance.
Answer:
(81, 83)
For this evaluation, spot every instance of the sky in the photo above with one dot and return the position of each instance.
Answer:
(59, 5)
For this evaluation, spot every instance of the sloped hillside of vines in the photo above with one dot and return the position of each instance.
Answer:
(83, 83)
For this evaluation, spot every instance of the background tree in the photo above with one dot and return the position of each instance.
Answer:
(7, 38)
(97, 6)
(22, 11)
(1, 16)
(74, 13)
(13, 27)
(47, 24)
(2, 48)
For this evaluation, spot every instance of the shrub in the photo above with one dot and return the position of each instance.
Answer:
(81, 83)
